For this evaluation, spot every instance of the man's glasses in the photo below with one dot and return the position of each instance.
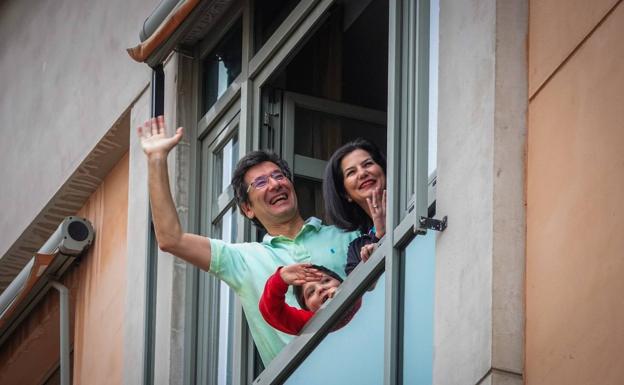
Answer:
(263, 180)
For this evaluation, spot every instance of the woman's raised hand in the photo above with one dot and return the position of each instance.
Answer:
(300, 273)
(154, 139)
(377, 206)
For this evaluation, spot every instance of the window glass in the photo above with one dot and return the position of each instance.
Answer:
(224, 162)
(226, 335)
(221, 66)
(225, 229)
(418, 284)
(353, 354)
(417, 106)
(268, 15)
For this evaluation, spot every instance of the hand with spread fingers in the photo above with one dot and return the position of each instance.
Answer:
(300, 273)
(377, 206)
(154, 138)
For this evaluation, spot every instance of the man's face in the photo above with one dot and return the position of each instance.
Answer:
(316, 293)
(274, 203)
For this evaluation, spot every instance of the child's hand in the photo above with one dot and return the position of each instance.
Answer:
(300, 273)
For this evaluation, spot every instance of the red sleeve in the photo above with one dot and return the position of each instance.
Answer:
(276, 311)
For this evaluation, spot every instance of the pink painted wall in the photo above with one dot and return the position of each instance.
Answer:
(97, 294)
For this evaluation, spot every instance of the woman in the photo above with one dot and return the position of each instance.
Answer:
(354, 190)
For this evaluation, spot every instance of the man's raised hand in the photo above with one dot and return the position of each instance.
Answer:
(154, 139)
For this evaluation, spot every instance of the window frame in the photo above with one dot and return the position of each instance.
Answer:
(211, 139)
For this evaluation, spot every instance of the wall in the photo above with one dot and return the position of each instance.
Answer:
(478, 321)
(66, 79)
(97, 298)
(101, 289)
(575, 181)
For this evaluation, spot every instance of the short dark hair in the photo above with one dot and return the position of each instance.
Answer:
(248, 161)
(298, 289)
(347, 215)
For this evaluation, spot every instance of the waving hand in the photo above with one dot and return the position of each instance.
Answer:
(154, 139)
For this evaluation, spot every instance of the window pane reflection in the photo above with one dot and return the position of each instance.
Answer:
(225, 229)
(224, 162)
(418, 296)
(222, 66)
(353, 354)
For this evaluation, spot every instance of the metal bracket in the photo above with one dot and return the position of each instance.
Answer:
(266, 119)
(434, 224)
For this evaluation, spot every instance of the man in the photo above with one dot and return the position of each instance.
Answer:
(265, 194)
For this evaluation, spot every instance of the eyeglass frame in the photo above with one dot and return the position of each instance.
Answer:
(276, 175)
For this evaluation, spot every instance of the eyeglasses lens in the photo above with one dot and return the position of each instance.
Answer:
(261, 181)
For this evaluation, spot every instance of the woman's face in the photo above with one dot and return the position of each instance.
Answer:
(361, 176)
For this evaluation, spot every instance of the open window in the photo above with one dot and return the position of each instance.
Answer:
(332, 91)
(311, 76)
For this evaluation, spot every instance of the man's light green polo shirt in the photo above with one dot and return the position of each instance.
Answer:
(245, 267)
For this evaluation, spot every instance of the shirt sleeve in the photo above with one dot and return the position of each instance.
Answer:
(276, 312)
(227, 262)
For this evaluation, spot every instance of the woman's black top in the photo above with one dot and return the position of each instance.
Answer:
(353, 254)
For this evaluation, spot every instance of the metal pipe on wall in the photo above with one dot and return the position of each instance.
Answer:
(64, 330)
(158, 91)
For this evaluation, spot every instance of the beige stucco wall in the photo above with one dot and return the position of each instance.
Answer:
(575, 179)
(478, 332)
(66, 79)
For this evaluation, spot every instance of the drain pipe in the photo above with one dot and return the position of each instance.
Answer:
(158, 90)
(64, 330)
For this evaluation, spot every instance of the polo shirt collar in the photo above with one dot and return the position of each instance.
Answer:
(310, 224)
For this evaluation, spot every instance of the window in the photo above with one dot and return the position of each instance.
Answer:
(219, 152)
(302, 77)
(221, 66)
(331, 92)
(330, 70)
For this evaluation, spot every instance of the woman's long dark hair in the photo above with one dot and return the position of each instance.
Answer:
(342, 213)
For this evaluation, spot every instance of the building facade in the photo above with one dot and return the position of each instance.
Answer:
(501, 116)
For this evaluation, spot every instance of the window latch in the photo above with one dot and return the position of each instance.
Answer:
(434, 224)
(266, 120)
